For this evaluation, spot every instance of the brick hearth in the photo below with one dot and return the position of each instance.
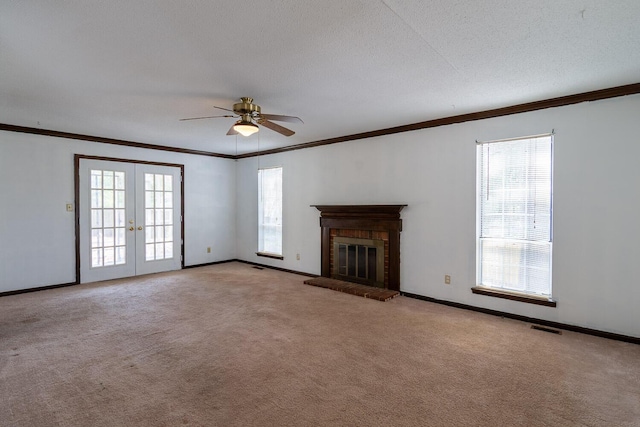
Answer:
(353, 288)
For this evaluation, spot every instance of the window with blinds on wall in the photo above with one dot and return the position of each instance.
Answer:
(270, 211)
(515, 188)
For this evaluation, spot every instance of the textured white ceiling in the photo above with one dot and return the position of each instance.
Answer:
(130, 69)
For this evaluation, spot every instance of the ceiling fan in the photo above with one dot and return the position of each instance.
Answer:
(250, 117)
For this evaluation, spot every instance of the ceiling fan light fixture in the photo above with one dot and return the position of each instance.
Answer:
(245, 128)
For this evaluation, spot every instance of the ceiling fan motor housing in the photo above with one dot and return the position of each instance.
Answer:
(246, 106)
(250, 116)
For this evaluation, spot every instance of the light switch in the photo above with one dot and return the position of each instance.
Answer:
(69, 207)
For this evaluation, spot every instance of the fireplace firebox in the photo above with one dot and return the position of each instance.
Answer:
(358, 260)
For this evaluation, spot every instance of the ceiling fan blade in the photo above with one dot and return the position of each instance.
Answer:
(232, 131)
(225, 109)
(207, 117)
(275, 127)
(281, 118)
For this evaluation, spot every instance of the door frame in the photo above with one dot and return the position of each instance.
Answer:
(76, 179)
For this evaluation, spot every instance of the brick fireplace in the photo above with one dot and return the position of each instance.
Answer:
(361, 243)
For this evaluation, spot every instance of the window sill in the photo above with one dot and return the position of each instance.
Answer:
(268, 255)
(514, 296)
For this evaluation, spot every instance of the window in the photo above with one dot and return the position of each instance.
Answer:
(158, 218)
(108, 243)
(270, 212)
(515, 215)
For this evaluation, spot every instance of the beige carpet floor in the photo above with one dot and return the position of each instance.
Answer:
(231, 345)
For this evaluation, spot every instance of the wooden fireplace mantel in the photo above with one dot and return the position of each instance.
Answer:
(368, 211)
(363, 217)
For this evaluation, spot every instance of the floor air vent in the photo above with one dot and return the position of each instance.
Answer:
(542, 328)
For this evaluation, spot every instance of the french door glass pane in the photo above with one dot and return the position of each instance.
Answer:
(96, 257)
(148, 217)
(148, 181)
(96, 218)
(149, 252)
(120, 237)
(96, 179)
(149, 235)
(120, 218)
(119, 180)
(159, 182)
(96, 199)
(119, 199)
(120, 255)
(96, 238)
(107, 224)
(159, 250)
(149, 199)
(109, 237)
(108, 219)
(107, 179)
(159, 216)
(159, 233)
(160, 199)
(108, 256)
(158, 220)
(107, 198)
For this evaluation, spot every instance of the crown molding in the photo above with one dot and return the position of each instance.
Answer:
(103, 140)
(596, 95)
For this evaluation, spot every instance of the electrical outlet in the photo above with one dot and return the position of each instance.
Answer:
(209, 250)
(298, 257)
(447, 279)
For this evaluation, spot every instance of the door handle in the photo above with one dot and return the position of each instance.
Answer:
(139, 227)
(130, 228)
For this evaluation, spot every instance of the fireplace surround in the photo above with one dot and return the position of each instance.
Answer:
(373, 226)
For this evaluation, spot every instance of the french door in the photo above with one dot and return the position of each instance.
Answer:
(130, 219)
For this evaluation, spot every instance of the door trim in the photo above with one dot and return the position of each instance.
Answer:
(76, 179)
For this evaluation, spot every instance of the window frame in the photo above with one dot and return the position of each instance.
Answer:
(502, 292)
(279, 224)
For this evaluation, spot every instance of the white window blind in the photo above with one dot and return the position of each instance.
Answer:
(515, 214)
(270, 211)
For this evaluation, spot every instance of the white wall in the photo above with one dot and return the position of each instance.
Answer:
(596, 258)
(37, 235)
(596, 204)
